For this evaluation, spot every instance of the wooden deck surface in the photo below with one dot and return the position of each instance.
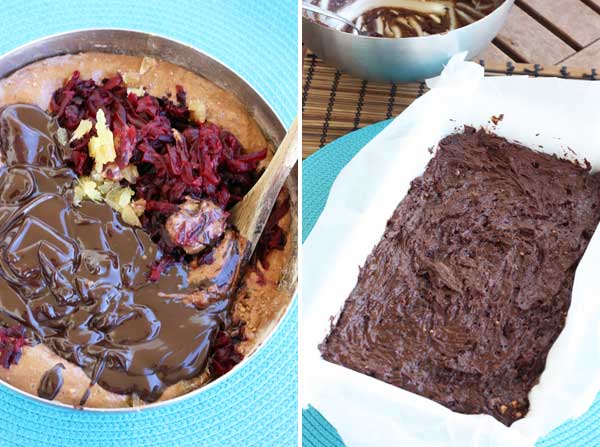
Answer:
(550, 32)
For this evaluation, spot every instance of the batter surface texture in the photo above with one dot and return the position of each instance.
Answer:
(470, 285)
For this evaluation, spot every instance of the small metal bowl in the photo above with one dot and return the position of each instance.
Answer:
(120, 41)
(404, 59)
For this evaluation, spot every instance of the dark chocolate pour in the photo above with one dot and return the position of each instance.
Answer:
(52, 382)
(75, 277)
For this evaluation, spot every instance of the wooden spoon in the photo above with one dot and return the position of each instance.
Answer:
(251, 214)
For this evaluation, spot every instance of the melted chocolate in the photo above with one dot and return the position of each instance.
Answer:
(470, 285)
(52, 382)
(390, 17)
(76, 276)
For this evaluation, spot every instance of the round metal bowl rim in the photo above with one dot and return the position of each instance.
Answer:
(246, 359)
(411, 38)
(32, 43)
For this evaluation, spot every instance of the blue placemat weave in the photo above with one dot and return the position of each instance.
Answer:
(318, 174)
(256, 405)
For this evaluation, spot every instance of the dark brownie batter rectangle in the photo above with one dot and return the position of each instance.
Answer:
(470, 285)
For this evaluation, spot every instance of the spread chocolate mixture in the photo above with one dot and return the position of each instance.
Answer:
(470, 285)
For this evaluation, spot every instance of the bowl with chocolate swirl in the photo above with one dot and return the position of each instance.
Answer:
(401, 40)
(123, 282)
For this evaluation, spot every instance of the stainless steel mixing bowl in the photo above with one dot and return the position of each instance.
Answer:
(405, 59)
(138, 43)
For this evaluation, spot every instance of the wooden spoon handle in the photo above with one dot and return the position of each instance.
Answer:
(251, 214)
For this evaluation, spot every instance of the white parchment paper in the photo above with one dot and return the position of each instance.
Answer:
(548, 114)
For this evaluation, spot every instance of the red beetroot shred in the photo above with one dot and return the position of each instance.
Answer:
(272, 238)
(12, 340)
(205, 162)
(225, 356)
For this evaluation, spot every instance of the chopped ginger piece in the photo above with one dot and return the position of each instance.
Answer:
(99, 189)
(119, 197)
(130, 173)
(97, 177)
(113, 173)
(198, 110)
(148, 63)
(139, 91)
(84, 127)
(139, 206)
(102, 147)
(62, 136)
(91, 191)
(129, 216)
(86, 189)
(106, 186)
(131, 78)
(78, 195)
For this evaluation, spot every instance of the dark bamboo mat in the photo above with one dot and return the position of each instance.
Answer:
(334, 104)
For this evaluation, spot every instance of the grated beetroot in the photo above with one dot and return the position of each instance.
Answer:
(205, 162)
(225, 356)
(199, 160)
(12, 340)
(272, 238)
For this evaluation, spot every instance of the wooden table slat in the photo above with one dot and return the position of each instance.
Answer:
(572, 19)
(530, 42)
(595, 4)
(588, 57)
(493, 53)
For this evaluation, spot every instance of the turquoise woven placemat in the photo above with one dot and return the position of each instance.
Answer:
(256, 405)
(318, 174)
